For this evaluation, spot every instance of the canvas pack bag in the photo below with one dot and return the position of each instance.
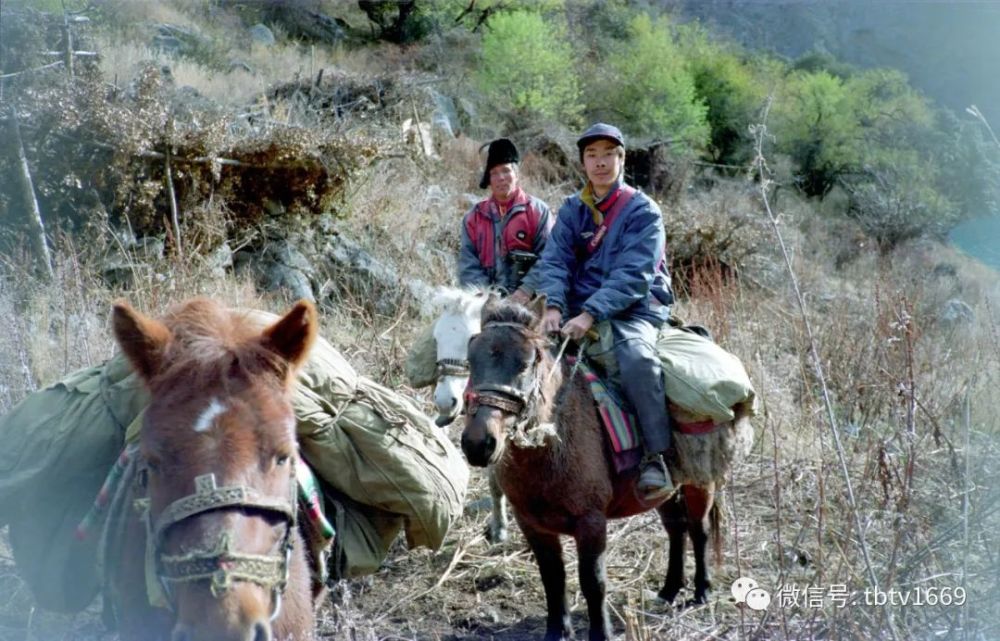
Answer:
(58, 445)
(701, 377)
(421, 361)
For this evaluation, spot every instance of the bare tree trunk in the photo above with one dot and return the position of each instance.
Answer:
(68, 39)
(30, 202)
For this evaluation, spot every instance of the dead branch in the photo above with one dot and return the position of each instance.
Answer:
(31, 201)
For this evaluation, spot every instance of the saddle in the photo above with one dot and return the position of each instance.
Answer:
(620, 423)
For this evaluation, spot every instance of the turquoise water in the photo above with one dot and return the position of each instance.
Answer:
(980, 238)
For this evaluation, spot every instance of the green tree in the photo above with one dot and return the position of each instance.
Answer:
(731, 88)
(646, 86)
(817, 126)
(526, 69)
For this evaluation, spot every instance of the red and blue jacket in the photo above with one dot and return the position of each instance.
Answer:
(488, 240)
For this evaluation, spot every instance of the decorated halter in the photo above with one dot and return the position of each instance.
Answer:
(519, 401)
(220, 564)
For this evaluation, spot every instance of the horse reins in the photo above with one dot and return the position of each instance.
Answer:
(221, 565)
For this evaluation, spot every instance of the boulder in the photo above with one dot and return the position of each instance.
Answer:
(261, 35)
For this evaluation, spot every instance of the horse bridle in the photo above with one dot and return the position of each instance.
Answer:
(221, 565)
(452, 367)
(506, 398)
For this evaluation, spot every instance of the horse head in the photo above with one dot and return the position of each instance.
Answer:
(509, 391)
(458, 323)
(218, 441)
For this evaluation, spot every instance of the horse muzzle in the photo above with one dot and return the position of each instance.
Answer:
(479, 438)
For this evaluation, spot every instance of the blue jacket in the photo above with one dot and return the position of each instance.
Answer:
(625, 277)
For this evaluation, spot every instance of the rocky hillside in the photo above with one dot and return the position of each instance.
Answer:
(260, 152)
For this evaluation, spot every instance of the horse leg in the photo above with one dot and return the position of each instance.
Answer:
(698, 501)
(497, 530)
(673, 515)
(548, 553)
(591, 541)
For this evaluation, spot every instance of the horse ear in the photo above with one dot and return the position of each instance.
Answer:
(293, 335)
(538, 306)
(142, 339)
(489, 307)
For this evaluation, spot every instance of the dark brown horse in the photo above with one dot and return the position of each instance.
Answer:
(215, 539)
(553, 461)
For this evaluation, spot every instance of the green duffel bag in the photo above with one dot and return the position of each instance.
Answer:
(703, 378)
(383, 452)
(58, 444)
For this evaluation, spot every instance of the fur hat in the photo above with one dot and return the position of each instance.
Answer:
(501, 152)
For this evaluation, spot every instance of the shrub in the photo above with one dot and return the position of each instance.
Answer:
(894, 199)
(527, 67)
(648, 88)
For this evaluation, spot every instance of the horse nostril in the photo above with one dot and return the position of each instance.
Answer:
(454, 402)
(261, 631)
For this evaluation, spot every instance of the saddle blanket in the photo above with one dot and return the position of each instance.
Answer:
(621, 426)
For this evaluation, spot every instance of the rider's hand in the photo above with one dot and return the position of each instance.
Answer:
(520, 297)
(577, 326)
(552, 320)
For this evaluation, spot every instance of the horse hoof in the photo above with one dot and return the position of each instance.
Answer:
(668, 596)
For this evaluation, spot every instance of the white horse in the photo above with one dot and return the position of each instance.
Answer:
(458, 323)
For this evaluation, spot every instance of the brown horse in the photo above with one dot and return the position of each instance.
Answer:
(215, 539)
(542, 433)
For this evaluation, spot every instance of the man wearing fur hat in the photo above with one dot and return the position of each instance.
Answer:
(605, 261)
(503, 235)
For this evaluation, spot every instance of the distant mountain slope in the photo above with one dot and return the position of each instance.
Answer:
(950, 50)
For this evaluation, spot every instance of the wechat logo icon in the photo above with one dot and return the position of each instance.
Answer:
(745, 590)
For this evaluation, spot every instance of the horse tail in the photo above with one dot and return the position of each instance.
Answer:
(715, 518)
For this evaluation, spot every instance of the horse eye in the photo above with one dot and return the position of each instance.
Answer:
(282, 459)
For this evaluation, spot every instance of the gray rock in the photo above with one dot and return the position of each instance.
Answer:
(300, 22)
(279, 266)
(356, 275)
(277, 277)
(220, 260)
(444, 119)
(261, 35)
(957, 312)
(240, 65)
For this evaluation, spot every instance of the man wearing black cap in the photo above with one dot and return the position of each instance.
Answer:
(503, 235)
(605, 261)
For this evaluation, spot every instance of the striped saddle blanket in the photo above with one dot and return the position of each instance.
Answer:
(621, 426)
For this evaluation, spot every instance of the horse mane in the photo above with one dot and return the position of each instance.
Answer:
(507, 311)
(456, 300)
(210, 342)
